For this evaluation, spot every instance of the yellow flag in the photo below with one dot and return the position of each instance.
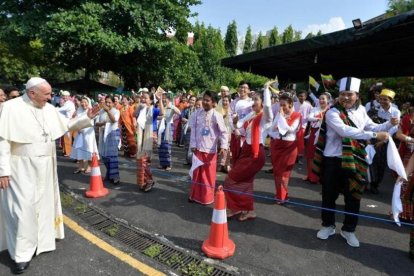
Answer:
(313, 83)
(326, 77)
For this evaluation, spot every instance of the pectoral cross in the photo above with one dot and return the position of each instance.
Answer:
(45, 135)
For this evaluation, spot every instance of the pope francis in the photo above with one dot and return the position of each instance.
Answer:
(30, 208)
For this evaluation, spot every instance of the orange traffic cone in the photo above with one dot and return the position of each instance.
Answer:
(96, 188)
(218, 245)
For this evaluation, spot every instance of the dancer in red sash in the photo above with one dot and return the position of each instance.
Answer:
(287, 137)
(239, 182)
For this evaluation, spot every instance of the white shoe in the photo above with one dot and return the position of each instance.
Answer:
(326, 232)
(350, 237)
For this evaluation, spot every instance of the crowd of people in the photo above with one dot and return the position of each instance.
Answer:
(218, 132)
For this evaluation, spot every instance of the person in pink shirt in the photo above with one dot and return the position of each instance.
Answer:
(207, 129)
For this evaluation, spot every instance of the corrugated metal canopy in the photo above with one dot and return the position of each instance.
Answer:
(379, 49)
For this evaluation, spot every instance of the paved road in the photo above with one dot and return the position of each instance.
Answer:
(282, 240)
(75, 255)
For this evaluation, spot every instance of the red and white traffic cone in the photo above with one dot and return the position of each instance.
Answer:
(96, 188)
(218, 245)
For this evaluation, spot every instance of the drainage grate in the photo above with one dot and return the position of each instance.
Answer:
(183, 263)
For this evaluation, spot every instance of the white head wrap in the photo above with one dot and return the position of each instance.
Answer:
(64, 93)
(349, 84)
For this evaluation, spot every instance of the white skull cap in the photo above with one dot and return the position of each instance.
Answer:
(34, 81)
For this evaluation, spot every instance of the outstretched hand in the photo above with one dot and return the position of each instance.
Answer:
(94, 111)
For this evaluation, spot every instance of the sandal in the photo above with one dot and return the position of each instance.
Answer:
(281, 202)
(148, 186)
(231, 214)
(247, 215)
(79, 171)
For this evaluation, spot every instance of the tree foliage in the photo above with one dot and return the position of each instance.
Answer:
(297, 35)
(288, 35)
(123, 36)
(260, 43)
(399, 6)
(247, 47)
(274, 38)
(93, 34)
(230, 40)
(309, 35)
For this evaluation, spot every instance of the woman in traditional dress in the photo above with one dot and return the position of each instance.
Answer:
(179, 120)
(224, 109)
(84, 145)
(110, 139)
(405, 134)
(239, 182)
(315, 118)
(147, 115)
(284, 147)
(408, 197)
(165, 133)
(127, 122)
(186, 129)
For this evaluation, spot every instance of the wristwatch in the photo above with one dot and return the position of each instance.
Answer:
(374, 135)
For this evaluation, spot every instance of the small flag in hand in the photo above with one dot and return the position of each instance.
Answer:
(313, 83)
(327, 80)
(274, 86)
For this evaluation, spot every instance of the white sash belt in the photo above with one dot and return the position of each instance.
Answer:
(32, 150)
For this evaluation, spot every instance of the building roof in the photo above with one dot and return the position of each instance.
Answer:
(379, 49)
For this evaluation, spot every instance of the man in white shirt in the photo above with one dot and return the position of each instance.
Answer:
(239, 108)
(67, 110)
(341, 156)
(386, 111)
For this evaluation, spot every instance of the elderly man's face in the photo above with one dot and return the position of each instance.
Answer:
(41, 94)
(2, 96)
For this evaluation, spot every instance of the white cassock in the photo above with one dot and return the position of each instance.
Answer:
(30, 209)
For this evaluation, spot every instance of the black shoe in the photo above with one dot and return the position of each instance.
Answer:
(20, 268)
(374, 190)
(269, 171)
